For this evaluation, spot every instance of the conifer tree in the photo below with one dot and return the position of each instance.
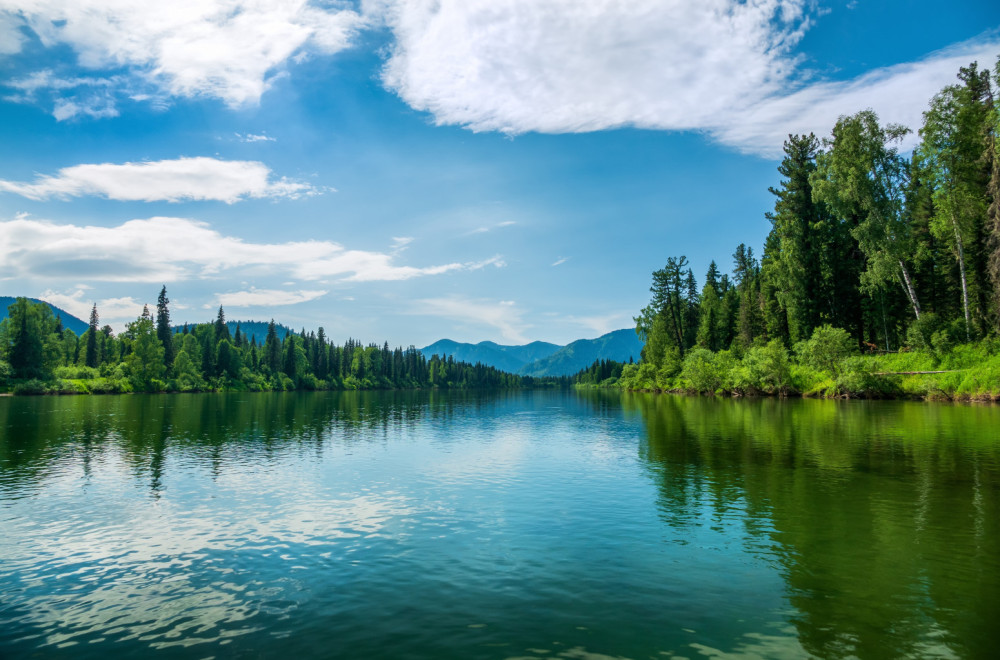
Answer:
(93, 355)
(163, 331)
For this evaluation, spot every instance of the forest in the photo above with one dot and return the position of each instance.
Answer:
(880, 275)
(39, 356)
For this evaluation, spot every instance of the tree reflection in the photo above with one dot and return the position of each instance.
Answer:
(882, 516)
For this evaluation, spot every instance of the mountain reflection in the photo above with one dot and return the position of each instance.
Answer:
(882, 516)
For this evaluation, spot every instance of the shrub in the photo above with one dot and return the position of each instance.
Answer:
(702, 370)
(32, 386)
(826, 350)
(856, 378)
(645, 377)
(765, 369)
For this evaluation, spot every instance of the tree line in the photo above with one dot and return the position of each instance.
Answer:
(893, 252)
(38, 355)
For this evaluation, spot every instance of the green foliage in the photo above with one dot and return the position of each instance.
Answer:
(704, 370)
(763, 369)
(145, 363)
(76, 373)
(29, 340)
(6, 373)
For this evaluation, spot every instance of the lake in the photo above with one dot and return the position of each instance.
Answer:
(537, 524)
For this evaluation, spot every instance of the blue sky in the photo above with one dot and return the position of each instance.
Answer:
(405, 171)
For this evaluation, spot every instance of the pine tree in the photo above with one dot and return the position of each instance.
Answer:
(163, 331)
(93, 354)
(221, 330)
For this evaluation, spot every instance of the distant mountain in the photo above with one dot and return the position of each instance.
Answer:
(619, 345)
(506, 358)
(541, 358)
(251, 329)
(68, 320)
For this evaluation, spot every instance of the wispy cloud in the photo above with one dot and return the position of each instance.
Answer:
(504, 315)
(899, 94)
(560, 261)
(400, 242)
(165, 249)
(163, 180)
(604, 323)
(250, 137)
(255, 297)
(225, 49)
(486, 229)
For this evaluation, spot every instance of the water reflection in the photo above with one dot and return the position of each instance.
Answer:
(882, 516)
(474, 524)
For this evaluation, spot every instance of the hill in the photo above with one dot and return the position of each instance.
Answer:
(541, 358)
(619, 345)
(68, 320)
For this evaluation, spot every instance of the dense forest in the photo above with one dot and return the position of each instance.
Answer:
(877, 265)
(38, 355)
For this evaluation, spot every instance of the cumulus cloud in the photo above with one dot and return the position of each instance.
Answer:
(163, 180)
(503, 315)
(567, 66)
(725, 67)
(225, 49)
(255, 297)
(164, 249)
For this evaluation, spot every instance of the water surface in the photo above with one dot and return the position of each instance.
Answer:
(496, 525)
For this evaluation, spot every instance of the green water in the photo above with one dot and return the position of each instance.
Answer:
(496, 525)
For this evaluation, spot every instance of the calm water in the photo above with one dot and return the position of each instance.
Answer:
(535, 524)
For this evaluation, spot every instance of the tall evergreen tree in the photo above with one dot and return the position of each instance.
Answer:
(221, 329)
(163, 331)
(794, 267)
(272, 349)
(92, 357)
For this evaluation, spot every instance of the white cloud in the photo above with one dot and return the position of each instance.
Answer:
(11, 38)
(495, 261)
(560, 261)
(164, 249)
(726, 67)
(163, 180)
(255, 297)
(225, 49)
(110, 310)
(503, 315)
(567, 66)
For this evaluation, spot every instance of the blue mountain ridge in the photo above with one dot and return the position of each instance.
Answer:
(542, 358)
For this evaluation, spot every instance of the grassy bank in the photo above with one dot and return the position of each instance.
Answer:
(826, 366)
